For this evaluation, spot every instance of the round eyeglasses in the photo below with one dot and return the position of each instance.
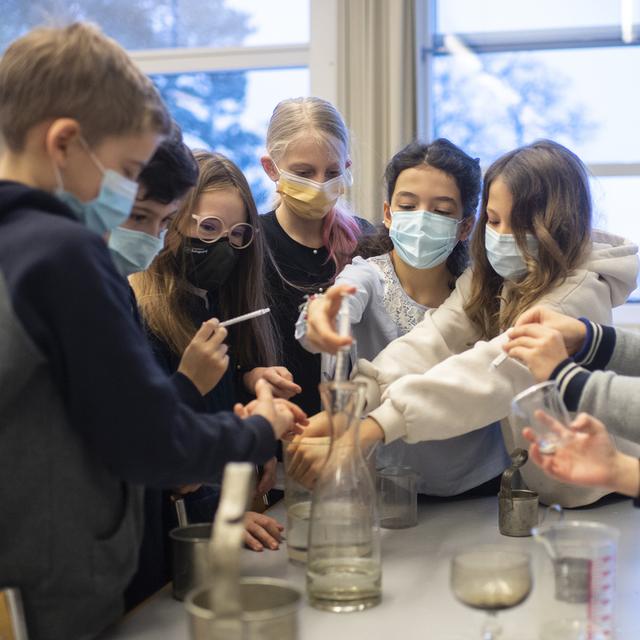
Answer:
(212, 228)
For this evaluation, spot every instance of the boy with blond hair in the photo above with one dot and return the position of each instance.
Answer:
(85, 413)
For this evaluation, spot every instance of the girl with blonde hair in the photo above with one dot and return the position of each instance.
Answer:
(310, 233)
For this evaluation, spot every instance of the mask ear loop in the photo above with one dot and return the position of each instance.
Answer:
(92, 155)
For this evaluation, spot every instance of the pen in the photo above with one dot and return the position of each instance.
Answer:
(246, 316)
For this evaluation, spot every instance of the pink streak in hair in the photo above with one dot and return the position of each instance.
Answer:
(340, 236)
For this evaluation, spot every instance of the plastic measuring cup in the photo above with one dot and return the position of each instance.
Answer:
(398, 495)
(583, 554)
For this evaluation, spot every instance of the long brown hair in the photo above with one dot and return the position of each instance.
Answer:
(163, 291)
(551, 201)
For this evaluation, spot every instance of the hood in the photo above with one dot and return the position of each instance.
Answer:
(15, 195)
(615, 260)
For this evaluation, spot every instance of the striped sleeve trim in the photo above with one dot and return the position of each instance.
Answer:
(598, 347)
(570, 379)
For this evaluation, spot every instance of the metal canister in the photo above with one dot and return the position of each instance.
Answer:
(190, 557)
(517, 508)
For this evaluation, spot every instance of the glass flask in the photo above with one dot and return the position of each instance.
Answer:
(343, 561)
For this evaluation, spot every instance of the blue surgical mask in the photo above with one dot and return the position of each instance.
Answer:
(133, 251)
(113, 204)
(505, 256)
(423, 239)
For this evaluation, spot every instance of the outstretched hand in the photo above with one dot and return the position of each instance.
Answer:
(321, 320)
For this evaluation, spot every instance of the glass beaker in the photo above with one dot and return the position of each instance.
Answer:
(343, 559)
(398, 493)
(297, 497)
(583, 554)
(570, 629)
(541, 397)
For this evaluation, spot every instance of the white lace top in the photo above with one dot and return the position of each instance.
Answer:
(381, 311)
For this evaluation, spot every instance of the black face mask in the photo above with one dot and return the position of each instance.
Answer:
(207, 265)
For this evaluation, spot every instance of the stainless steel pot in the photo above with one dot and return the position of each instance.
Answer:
(269, 611)
(190, 560)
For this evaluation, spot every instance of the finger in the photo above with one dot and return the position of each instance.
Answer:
(240, 411)
(522, 341)
(584, 423)
(251, 542)
(281, 383)
(218, 337)
(206, 330)
(262, 535)
(298, 414)
(529, 434)
(530, 330)
(271, 525)
(522, 354)
(284, 373)
(263, 391)
(530, 316)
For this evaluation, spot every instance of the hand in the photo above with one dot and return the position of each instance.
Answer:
(586, 456)
(280, 379)
(540, 348)
(306, 457)
(300, 417)
(261, 531)
(573, 331)
(279, 413)
(321, 320)
(268, 477)
(205, 359)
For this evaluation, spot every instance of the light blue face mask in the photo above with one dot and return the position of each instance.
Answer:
(133, 251)
(505, 256)
(113, 204)
(423, 239)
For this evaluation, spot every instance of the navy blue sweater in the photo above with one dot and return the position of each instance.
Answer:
(75, 307)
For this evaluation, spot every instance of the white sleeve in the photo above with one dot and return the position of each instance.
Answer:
(461, 394)
(367, 280)
(444, 331)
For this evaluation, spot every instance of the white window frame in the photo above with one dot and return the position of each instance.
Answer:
(430, 44)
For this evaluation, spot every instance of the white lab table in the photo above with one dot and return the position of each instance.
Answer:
(417, 602)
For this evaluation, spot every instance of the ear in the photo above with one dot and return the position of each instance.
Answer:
(386, 220)
(62, 134)
(466, 227)
(269, 168)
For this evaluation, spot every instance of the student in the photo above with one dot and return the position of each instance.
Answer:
(213, 266)
(85, 411)
(163, 183)
(310, 234)
(588, 457)
(533, 245)
(419, 251)
(596, 367)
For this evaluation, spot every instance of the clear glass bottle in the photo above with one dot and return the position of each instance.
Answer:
(343, 562)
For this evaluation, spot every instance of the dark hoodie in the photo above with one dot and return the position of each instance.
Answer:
(84, 412)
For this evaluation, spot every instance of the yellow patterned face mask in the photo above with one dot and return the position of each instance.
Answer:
(307, 198)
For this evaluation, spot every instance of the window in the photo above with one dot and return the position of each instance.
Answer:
(221, 65)
(500, 78)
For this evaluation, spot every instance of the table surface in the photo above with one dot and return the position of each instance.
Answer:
(417, 602)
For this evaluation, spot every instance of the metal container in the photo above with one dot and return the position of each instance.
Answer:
(269, 611)
(12, 622)
(517, 508)
(190, 558)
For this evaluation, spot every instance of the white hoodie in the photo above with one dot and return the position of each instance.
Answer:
(437, 382)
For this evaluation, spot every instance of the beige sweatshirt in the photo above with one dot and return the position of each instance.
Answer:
(437, 381)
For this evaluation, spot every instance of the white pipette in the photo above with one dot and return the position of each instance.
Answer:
(246, 316)
(499, 359)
